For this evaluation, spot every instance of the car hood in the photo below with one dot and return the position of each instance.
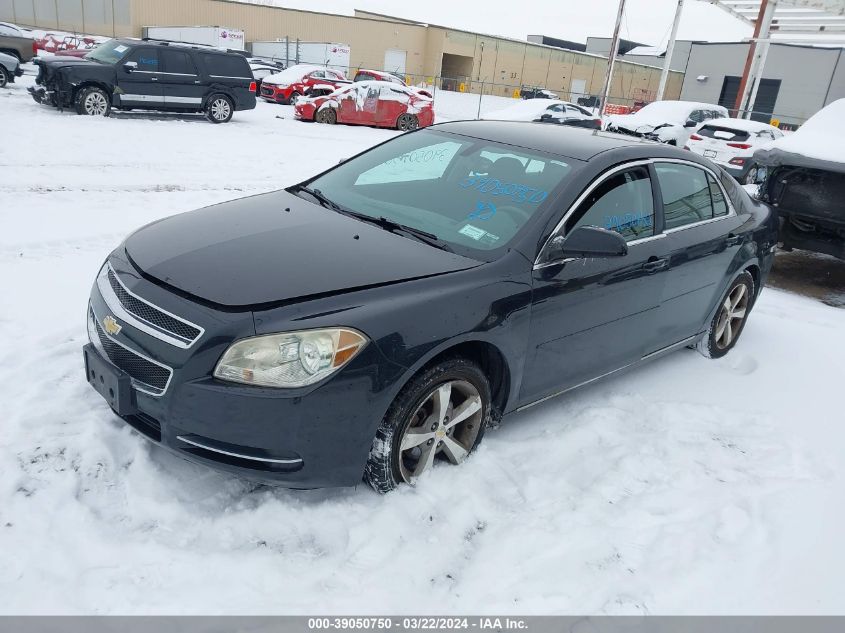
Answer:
(254, 251)
(59, 61)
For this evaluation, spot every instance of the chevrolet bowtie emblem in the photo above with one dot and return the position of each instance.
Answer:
(111, 325)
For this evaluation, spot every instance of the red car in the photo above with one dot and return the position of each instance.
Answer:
(378, 103)
(295, 81)
(365, 74)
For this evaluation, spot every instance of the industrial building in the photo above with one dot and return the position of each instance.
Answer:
(470, 61)
(798, 80)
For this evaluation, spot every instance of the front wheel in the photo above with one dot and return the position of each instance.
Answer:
(407, 122)
(294, 98)
(4, 77)
(441, 414)
(326, 115)
(730, 318)
(93, 102)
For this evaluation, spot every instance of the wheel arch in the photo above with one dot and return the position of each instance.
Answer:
(93, 83)
(488, 356)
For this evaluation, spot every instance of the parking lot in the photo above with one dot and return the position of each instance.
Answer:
(686, 486)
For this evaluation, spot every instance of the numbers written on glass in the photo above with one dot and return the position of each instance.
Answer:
(513, 190)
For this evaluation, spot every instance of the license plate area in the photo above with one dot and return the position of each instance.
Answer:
(110, 382)
(709, 153)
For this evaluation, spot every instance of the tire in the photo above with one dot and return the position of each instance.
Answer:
(326, 115)
(293, 98)
(4, 77)
(417, 420)
(407, 122)
(93, 102)
(219, 109)
(724, 331)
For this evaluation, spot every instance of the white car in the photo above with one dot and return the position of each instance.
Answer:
(669, 122)
(547, 111)
(731, 144)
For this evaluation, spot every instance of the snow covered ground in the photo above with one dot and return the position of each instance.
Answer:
(689, 486)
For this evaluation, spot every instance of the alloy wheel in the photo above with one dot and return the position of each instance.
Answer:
(447, 423)
(731, 316)
(220, 109)
(96, 104)
(3, 79)
(407, 122)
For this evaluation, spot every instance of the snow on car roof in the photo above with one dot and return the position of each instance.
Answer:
(523, 110)
(660, 112)
(821, 137)
(292, 74)
(740, 124)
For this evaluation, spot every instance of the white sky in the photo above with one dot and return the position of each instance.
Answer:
(646, 21)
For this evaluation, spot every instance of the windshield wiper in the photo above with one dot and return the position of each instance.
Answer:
(316, 193)
(393, 226)
(385, 223)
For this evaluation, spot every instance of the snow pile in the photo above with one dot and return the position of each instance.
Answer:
(685, 486)
(821, 138)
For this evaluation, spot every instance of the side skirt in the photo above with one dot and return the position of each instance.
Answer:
(656, 354)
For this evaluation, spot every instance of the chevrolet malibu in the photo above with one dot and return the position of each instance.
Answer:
(373, 320)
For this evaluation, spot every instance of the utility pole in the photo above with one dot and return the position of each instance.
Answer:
(670, 49)
(611, 60)
(752, 62)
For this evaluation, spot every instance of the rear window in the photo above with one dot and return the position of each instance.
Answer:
(723, 133)
(226, 65)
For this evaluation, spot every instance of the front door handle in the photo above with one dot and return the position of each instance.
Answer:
(733, 240)
(153, 78)
(655, 264)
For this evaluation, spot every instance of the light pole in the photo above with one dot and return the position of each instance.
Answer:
(670, 49)
(611, 60)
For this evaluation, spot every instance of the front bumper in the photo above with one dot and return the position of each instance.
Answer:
(312, 437)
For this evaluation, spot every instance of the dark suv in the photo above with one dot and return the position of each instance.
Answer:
(148, 75)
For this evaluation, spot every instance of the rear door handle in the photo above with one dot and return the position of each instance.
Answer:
(655, 264)
(153, 78)
(733, 240)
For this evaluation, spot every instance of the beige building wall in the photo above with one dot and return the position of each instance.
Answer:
(493, 65)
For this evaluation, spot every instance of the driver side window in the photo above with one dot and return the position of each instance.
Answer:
(622, 203)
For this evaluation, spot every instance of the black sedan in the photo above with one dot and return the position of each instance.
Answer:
(372, 320)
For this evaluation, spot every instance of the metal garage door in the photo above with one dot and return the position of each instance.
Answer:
(764, 104)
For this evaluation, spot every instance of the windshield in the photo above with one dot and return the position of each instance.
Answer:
(471, 193)
(109, 52)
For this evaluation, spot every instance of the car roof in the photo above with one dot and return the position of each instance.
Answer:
(564, 140)
(205, 48)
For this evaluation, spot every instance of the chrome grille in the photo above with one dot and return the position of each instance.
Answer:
(143, 315)
(151, 314)
(147, 376)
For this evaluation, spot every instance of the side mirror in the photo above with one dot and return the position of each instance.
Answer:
(130, 66)
(690, 123)
(586, 242)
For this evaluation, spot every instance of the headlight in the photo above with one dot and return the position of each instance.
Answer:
(290, 359)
